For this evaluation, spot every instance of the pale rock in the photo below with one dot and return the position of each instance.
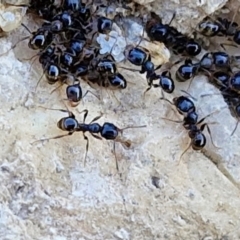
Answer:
(48, 193)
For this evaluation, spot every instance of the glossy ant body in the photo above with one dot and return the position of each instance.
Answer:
(191, 123)
(210, 62)
(140, 56)
(108, 130)
(220, 27)
(179, 43)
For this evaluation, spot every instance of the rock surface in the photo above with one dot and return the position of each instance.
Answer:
(48, 193)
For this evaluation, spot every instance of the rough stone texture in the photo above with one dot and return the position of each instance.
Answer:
(47, 193)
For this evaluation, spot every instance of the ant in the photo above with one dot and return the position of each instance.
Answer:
(108, 131)
(209, 62)
(191, 123)
(140, 56)
(39, 39)
(220, 27)
(179, 43)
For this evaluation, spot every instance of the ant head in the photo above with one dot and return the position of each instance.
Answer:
(236, 37)
(208, 27)
(74, 94)
(235, 82)
(193, 48)
(184, 105)
(207, 61)
(117, 81)
(221, 78)
(40, 40)
(109, 131)
(52, 73)
(166, 83)
(104, 25)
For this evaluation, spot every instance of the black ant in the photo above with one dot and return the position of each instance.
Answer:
(220, 27)
(208, 63)
(39, 40)
(108, 130)
(190, 122)
(140, 56)
(179, 43)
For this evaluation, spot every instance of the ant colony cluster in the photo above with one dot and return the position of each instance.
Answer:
(84, 40)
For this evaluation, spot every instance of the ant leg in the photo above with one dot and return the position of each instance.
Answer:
(88, 91)
(184, 152)
(156, 85)
(158, 67)
(235, 128)
(32, 61)
(210, 114)
(228, 44)
(55, 89)
(56, 137)
(85, 111)
(44, 70)
(25, 38)
(165, 99)
(60, 110)
(87, 146)
(96, 118)
(170, 120)
(209, 132)
(114, 151)
(191, 80)
(142, 37)
(147, 91)
(96, 136)
(130, 69)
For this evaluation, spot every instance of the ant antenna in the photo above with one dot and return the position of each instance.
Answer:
(189, 95)
(165, 99)
(23, 39)
(122, 129)
(56, 137)
(173, 16)
(26, 28)
(209, 132)
(184, 152)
